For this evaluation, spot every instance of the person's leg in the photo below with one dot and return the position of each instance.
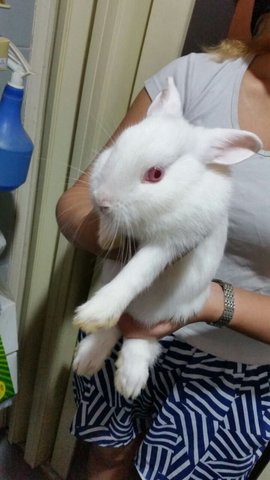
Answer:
(113, 463)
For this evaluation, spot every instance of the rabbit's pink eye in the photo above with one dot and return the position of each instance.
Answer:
(153, 174)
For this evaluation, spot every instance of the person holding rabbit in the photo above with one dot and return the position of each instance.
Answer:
(204, 412)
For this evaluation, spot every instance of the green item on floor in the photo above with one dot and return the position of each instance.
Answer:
(6, 385)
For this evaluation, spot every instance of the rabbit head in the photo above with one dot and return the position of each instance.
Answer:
(164, 175)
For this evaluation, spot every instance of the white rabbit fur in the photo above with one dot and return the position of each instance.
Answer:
(179, 223)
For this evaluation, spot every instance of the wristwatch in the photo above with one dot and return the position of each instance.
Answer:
(229, 304)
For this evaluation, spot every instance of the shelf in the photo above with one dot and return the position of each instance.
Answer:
(3, 4)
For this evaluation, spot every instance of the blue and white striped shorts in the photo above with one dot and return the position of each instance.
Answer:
(205, 418)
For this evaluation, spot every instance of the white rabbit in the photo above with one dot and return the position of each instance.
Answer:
(166, 184)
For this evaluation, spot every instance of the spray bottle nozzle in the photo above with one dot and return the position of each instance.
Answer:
(19, 66)
(11, 57)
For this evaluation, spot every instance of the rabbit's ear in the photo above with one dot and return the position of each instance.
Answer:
(228, 146)
(166, 102)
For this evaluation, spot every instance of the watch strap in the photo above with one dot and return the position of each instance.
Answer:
(229, 304)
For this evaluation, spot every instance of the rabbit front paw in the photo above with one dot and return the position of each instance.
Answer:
(130, 378)
(95, 314)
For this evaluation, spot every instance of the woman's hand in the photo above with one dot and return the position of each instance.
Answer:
(132, 329)
(211, 311)
(251, 316)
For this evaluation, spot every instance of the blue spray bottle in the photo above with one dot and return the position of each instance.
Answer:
(16, 146)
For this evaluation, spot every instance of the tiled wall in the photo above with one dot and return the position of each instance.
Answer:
(16, 24)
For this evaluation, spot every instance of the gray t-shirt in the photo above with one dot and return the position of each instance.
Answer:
(209, 91)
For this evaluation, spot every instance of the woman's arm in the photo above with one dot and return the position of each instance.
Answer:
(74, 212)
(251, 316)
(79, 224)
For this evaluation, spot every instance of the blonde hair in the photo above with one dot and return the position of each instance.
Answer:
(232, 49)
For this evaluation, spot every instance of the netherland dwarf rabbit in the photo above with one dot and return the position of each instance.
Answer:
(166, 184)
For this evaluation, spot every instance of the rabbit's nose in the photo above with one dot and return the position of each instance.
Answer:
(104, 208)
(104, 205)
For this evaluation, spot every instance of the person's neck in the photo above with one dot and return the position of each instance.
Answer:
(260, 67)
